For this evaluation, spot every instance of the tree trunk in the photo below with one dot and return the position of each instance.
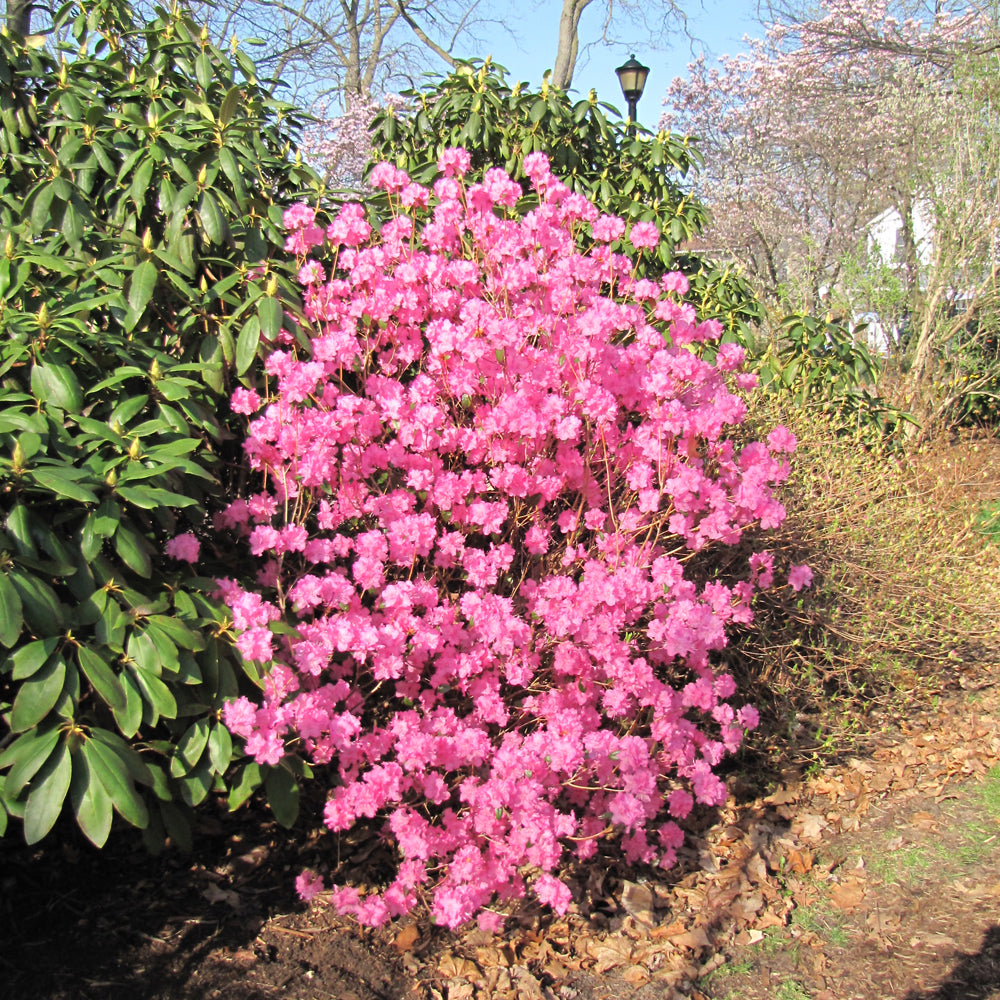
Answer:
(569, 42)
(19, 16)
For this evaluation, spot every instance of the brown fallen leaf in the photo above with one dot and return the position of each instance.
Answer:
(770, 919)
(668, 931)
(610, 954)
(406, 938)
(636, 975)
(783, 796)
(460, 989)
(638, 901)
(695, 939)
(809, 826)
(528, 986)
(756, 869)
(848, 896)
(800, 862)
(455, 967)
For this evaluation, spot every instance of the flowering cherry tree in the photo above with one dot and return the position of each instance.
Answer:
(338, 147)
(818, 127)
(480, 494)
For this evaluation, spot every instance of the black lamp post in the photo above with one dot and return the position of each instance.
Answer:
(632, 76)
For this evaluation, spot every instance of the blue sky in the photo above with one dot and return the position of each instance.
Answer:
(717, 25)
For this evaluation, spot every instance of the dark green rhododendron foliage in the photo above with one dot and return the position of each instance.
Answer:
(140, 170)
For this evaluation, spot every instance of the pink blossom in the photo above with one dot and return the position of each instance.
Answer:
(454, 162)
(245, 401)
(476, 497)
(183, 547)
(675, 281)
(554, 893)
(799, 577)
(644, 236)
(781, 439)
(608, 228)
(308, 885)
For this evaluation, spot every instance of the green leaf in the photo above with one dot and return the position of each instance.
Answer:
(230, 105)
(90, 541)
(212, 220)
(181, 635)
(151, 498)
(203, 70)
(282, 796)
(143, 284)
(270, 314)
(42, 609)
(11, 617)
(248, 780)
(134, 764)
(196, 785)
(63, 484)
(102, 678)
(190, 747)
(26, 661)
(143, 652)
(246, 344)
(19, 528)
(232, 171)
(109, 768)
(133, 550)
(57, 385)
(25, 756)
(127, 409)
(157, 695)
(41, 217)
(130, 719)
(47, 794)
(72, 227)
(220, 747)
(36, 697)
(141, 181)
(91, 802)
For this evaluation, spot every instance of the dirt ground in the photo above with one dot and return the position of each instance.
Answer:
(878, 877)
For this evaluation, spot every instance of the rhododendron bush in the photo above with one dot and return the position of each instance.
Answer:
(481, 491)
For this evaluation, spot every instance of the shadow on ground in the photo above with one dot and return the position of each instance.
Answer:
(974, 977)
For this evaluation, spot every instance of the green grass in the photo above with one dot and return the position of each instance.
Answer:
(819, 919)
(991, 792)
(791, 989)
(903, 864)
(988, 521)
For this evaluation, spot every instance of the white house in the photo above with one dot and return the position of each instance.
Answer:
(886, 235)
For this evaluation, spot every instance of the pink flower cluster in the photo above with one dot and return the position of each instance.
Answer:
(483, 488)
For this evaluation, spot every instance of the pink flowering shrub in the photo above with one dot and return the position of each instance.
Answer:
(482, 489)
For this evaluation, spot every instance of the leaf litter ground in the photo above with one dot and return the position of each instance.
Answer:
(878, 877)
